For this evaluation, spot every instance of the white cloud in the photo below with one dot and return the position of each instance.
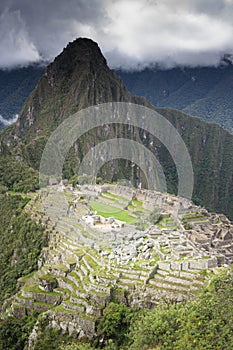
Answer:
(15, 44)
(187, 32)
(7, 122)
(168, 34)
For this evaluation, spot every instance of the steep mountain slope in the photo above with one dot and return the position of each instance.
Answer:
(79, 77)
(21, 242)
(15, 86)
(204, 92)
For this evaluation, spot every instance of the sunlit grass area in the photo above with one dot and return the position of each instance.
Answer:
(110, 211)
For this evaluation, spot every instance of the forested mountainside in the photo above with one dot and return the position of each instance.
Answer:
(15, 86)
(205, 92)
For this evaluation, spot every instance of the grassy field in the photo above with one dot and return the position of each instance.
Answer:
(116, 196)
(110, 211)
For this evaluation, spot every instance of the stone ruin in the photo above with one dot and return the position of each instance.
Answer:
(91, 259)
(99, 220)
(203, 237)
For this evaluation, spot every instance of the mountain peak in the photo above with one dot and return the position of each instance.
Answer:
(83, 43)
(81, 50)
(79, 77)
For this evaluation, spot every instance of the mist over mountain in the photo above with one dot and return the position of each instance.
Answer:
(170, 32)
(205, 92)
(6, 122)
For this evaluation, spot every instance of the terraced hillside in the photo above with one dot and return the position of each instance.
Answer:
(116, 242)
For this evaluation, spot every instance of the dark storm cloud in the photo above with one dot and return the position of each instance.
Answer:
(187, 32)
(43, 28)
(52, 24)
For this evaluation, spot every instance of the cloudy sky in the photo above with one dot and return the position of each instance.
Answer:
(131, 33)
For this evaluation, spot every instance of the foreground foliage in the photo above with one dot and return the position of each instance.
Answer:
(16, 176)
(205, 323)
(14, 333)
(21, 241)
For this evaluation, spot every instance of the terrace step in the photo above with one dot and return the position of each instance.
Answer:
(49, 298)
(112, 203)
(163, 272)
(69, 305)
(114, 196)
(80, 301)
(128, 280)
(171, 285)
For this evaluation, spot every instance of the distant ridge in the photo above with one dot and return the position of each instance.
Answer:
(15, 86)
(205, 92)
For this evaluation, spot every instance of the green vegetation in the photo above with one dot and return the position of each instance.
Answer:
(154, 217)
(74, 346)
(60, 267)
(193, 215)
(204, 323)
(166, 221)
(136, 202)
(22, 241)
(34, 288)
(111, 211)
(210, 147)
(15, 86)
(203, 92)
(115, 196)
(48, 338)
(16, 176)
(141, 224)
(114, 325)
(187, 226)
(14, 332)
